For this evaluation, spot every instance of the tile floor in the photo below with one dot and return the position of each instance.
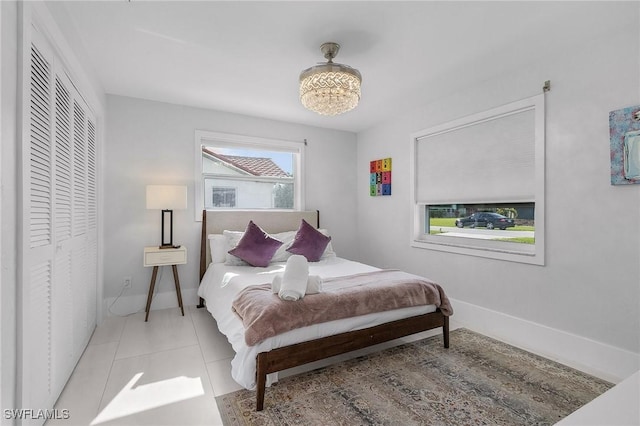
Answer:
(166, 371)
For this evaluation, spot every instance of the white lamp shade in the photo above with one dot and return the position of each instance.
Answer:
(166, 197)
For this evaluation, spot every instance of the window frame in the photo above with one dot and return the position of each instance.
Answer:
(501, 250)
(229, 140)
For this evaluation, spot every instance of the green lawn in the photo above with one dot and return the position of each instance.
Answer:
(522, 240)
(443, 221)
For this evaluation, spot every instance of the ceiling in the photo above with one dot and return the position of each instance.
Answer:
(245, 57)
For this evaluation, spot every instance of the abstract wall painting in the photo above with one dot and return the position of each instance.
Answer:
(624, 137)
(380, 177)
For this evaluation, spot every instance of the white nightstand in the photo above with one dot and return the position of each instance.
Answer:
(156, 257)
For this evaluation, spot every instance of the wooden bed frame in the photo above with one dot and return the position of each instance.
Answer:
(214, 222)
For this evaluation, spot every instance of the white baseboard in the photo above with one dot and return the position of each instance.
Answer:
(598, 359)
(130, 304)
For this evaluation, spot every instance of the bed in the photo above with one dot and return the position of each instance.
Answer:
(256, 366)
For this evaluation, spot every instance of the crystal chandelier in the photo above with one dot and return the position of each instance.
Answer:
(330, 88)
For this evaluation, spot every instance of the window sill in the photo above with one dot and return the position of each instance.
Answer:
(498, 250)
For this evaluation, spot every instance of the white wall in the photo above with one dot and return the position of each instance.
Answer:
(589, 286)
(153, 143)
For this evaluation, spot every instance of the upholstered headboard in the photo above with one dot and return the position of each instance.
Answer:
(216, 221)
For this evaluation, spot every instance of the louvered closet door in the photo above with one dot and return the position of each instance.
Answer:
(60, 229)
(62, 292)
(92, 222)
(39, 245)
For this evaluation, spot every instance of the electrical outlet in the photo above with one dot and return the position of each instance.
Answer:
(126, 282)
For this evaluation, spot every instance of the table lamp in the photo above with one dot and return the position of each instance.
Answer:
(166, 198)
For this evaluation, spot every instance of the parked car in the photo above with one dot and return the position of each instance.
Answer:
(486, 219)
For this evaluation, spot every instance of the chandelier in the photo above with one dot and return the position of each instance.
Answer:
(330, 88)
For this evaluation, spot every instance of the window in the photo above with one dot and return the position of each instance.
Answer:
(222, 197)
(483, 221)
(241, 172)
(478, 184)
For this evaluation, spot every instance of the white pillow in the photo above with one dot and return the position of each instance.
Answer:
(232, 238)
(218, 246)
(328, 252)
(281, 255)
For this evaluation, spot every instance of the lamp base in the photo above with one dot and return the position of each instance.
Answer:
(169, 246)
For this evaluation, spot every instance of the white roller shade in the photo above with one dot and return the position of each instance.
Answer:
(489, 160)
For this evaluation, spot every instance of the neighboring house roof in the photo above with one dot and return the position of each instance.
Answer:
(256, 166)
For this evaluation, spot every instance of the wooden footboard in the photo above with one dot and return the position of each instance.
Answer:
(314, 350)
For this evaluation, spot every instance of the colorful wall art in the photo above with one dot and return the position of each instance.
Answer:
(624, 135)
(380, 177)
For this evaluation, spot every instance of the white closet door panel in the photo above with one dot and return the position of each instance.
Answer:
(79, 297)
(63, 160)
(92, 279)
(79, 170)
(92, 223)
(37, 243)
(92, 177)
(38, 342)
(62, 322)
(40, 161)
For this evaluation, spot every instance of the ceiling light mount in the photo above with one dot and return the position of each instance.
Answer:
(330, 50)
(330, 88)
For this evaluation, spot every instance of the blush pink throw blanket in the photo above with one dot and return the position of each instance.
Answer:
(265, 315)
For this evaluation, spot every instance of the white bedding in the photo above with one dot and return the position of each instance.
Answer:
(221, 283)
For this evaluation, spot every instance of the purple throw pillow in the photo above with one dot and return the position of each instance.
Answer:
(256, 247)
(309, 242)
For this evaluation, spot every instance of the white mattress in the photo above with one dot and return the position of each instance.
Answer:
(221, 284)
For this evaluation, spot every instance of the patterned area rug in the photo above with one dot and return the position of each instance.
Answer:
(477, 381)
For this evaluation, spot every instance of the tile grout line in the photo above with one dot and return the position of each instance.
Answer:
(113, 360)
(159, 350)
(204, 362)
